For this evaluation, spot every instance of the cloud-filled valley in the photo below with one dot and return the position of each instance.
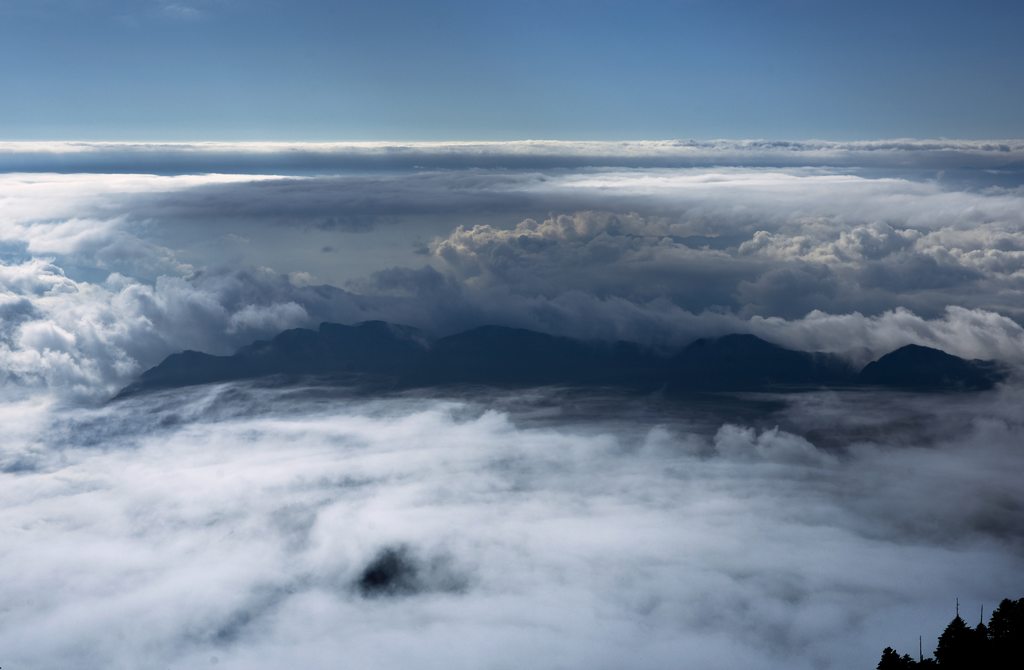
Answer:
(251, 524)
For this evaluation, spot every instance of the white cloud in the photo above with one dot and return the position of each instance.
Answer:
(232, 524)
(181, 11)
(773, 445)
(88, 339)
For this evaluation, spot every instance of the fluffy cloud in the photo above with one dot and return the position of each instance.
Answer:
(87, 339)
(88, 220)
(625, 276)
(235, 524)
(773, 253)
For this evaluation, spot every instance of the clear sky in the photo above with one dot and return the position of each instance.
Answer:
(483, 69)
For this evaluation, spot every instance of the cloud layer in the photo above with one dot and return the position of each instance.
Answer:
(235, 526)
(250, 527)
(313, 157)
(105, 274)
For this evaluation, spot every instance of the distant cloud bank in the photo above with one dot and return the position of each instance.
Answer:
(317, 157)
(114, 255)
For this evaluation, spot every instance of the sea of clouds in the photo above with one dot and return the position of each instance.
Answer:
(232, 525)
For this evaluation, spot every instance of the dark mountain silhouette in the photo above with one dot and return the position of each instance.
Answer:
(495, 354)
(371, 347)
(746, 362)
(914, 367)
(401, 356)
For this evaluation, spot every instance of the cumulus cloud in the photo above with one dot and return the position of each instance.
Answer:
(758, 244)
(773, 445)
(86, 339)
(237, 524)
(861, 289)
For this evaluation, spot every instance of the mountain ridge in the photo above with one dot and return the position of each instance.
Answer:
(406, 357)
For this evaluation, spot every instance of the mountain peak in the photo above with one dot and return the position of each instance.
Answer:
(734, 342)
(914, 366)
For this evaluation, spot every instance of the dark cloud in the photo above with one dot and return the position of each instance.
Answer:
(397, 571)
(790, 292)
(905, 272)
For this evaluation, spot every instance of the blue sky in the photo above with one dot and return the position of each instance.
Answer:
(569, 69)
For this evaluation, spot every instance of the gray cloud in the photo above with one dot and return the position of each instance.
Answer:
(723, 240)
(615, 266)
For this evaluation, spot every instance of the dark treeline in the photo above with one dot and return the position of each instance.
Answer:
(997, 646)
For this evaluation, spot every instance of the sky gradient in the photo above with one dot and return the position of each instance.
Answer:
(569, 69)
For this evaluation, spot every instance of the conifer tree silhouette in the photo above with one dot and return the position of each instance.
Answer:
(957, 646)
(1006, 635)
(997, 646)
(891, 660)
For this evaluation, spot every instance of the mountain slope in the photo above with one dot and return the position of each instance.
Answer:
(371, 347)
(736, 362)
(917, 367)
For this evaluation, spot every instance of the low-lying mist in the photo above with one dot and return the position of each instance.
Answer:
(247, 526)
